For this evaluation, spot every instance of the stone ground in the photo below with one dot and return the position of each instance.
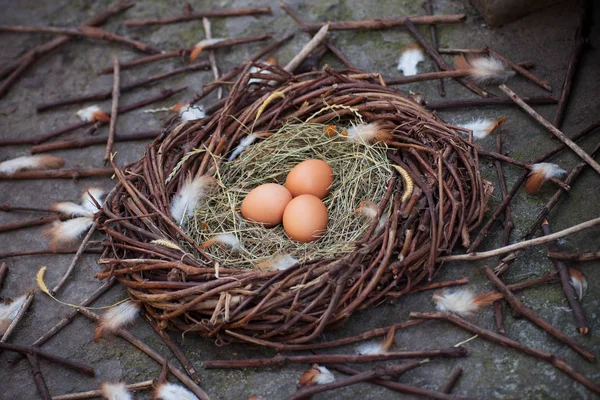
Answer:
(490, 372)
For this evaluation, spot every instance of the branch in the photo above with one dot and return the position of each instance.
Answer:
(223, 12)
(30, 350)
(114, 110)
(65, 173)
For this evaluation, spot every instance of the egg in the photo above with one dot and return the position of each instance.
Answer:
(310, 177)
(305, 218)
(265, 204)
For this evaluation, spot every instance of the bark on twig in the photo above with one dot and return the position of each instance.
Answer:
(223, 12)
(79, 143)
(114, 110)
(64, 173)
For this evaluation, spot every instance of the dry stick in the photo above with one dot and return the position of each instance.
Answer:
(377, 372)
(79, 143)
(3, 273)
(31, 350)
(211, 56)
(558, 255)
(107, 94)
(307, 49)
(518, 306)
(181, 52)
(452, 380)
(125, 334)
(550, 358)
(520, 70)
(498, 318)
(11, 226)
(165, 94)
(9, 208)
(565, 93)
(20, 253)
(17, 67)
(561, 136)
(114, 110)
(434, 43)
(175, 349)
(71, 267)
(98, 393)
(522, 245)
(18, 317)
(223, 12)
(386, 23)
(67, 319)
(578, 313)
(65, 173)
(38, 378)
(437, 285)
(399, 387)
(450, 352)
(495, 101)
(83, 31)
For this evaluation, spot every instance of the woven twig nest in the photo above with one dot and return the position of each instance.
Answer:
(183, 287)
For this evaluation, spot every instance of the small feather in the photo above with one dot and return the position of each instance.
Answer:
(367, 133)
(115, 391)
(190, 193)
(92, 114)
(369, 348)
(117, 317)
(198, 47)
(484, 69)
(71, 209)
(367, 208)
(280, 263)
(244, 143)
(86, 198)
(46, 161)
(189, 112)
(315, 375)
(224, 239)
(409, 59)
(463, 301)
(579, 282)
(10, 309)
(170, 391)
(540, 173)
(62, 233)
(483, 127)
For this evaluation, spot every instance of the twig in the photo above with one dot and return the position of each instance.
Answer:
(107, 94)
(307, 49)
(434, 43)
(386, 23)
(435, 56)
(338, 53)
(31, 350)
(578, 313)
(531, 316)
(558, 255)
(561, 136)
(550, 358)
(452, 380)
(64, 173)
(79, 143)
(69, 270)
(438, 285)
(3, 273)
(98, 393)
(450, 352)
(508, 221)
(175, 349)
(498, 317)
(123, 333)
(16, 68)
(377, 372)
(522, 245)
(18, 317)
(520, 70)
(494, 101)
(223, 12)
(38, 378)
(211, 55)
(83, 31)
(6, 207)
(20, 253)
(399, 387)
(27, 223)
(114, 110)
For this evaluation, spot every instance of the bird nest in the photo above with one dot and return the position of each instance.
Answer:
(407, 188)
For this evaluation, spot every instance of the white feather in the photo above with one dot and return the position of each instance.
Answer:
(191, 113)
(481, 127)
(363, 133)
(86, 201)
(254, 70)
(229, 240)
(409, 60)
(244, 143)
(10, 311)
(284, 262)
(88, 114)
(117, 317)
(368, 209)
(382, 221)
(191, 192)
(66, 232)
(208, 42)
(114, 391)
(325, 376)
(548, 170)
(369, 348)
(489, 70)
(71, 209)
(46, 161)
(170, 391)
(460, 301)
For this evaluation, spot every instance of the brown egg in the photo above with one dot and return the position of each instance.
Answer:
(310, 177)
(266, 203)
(305, 218)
